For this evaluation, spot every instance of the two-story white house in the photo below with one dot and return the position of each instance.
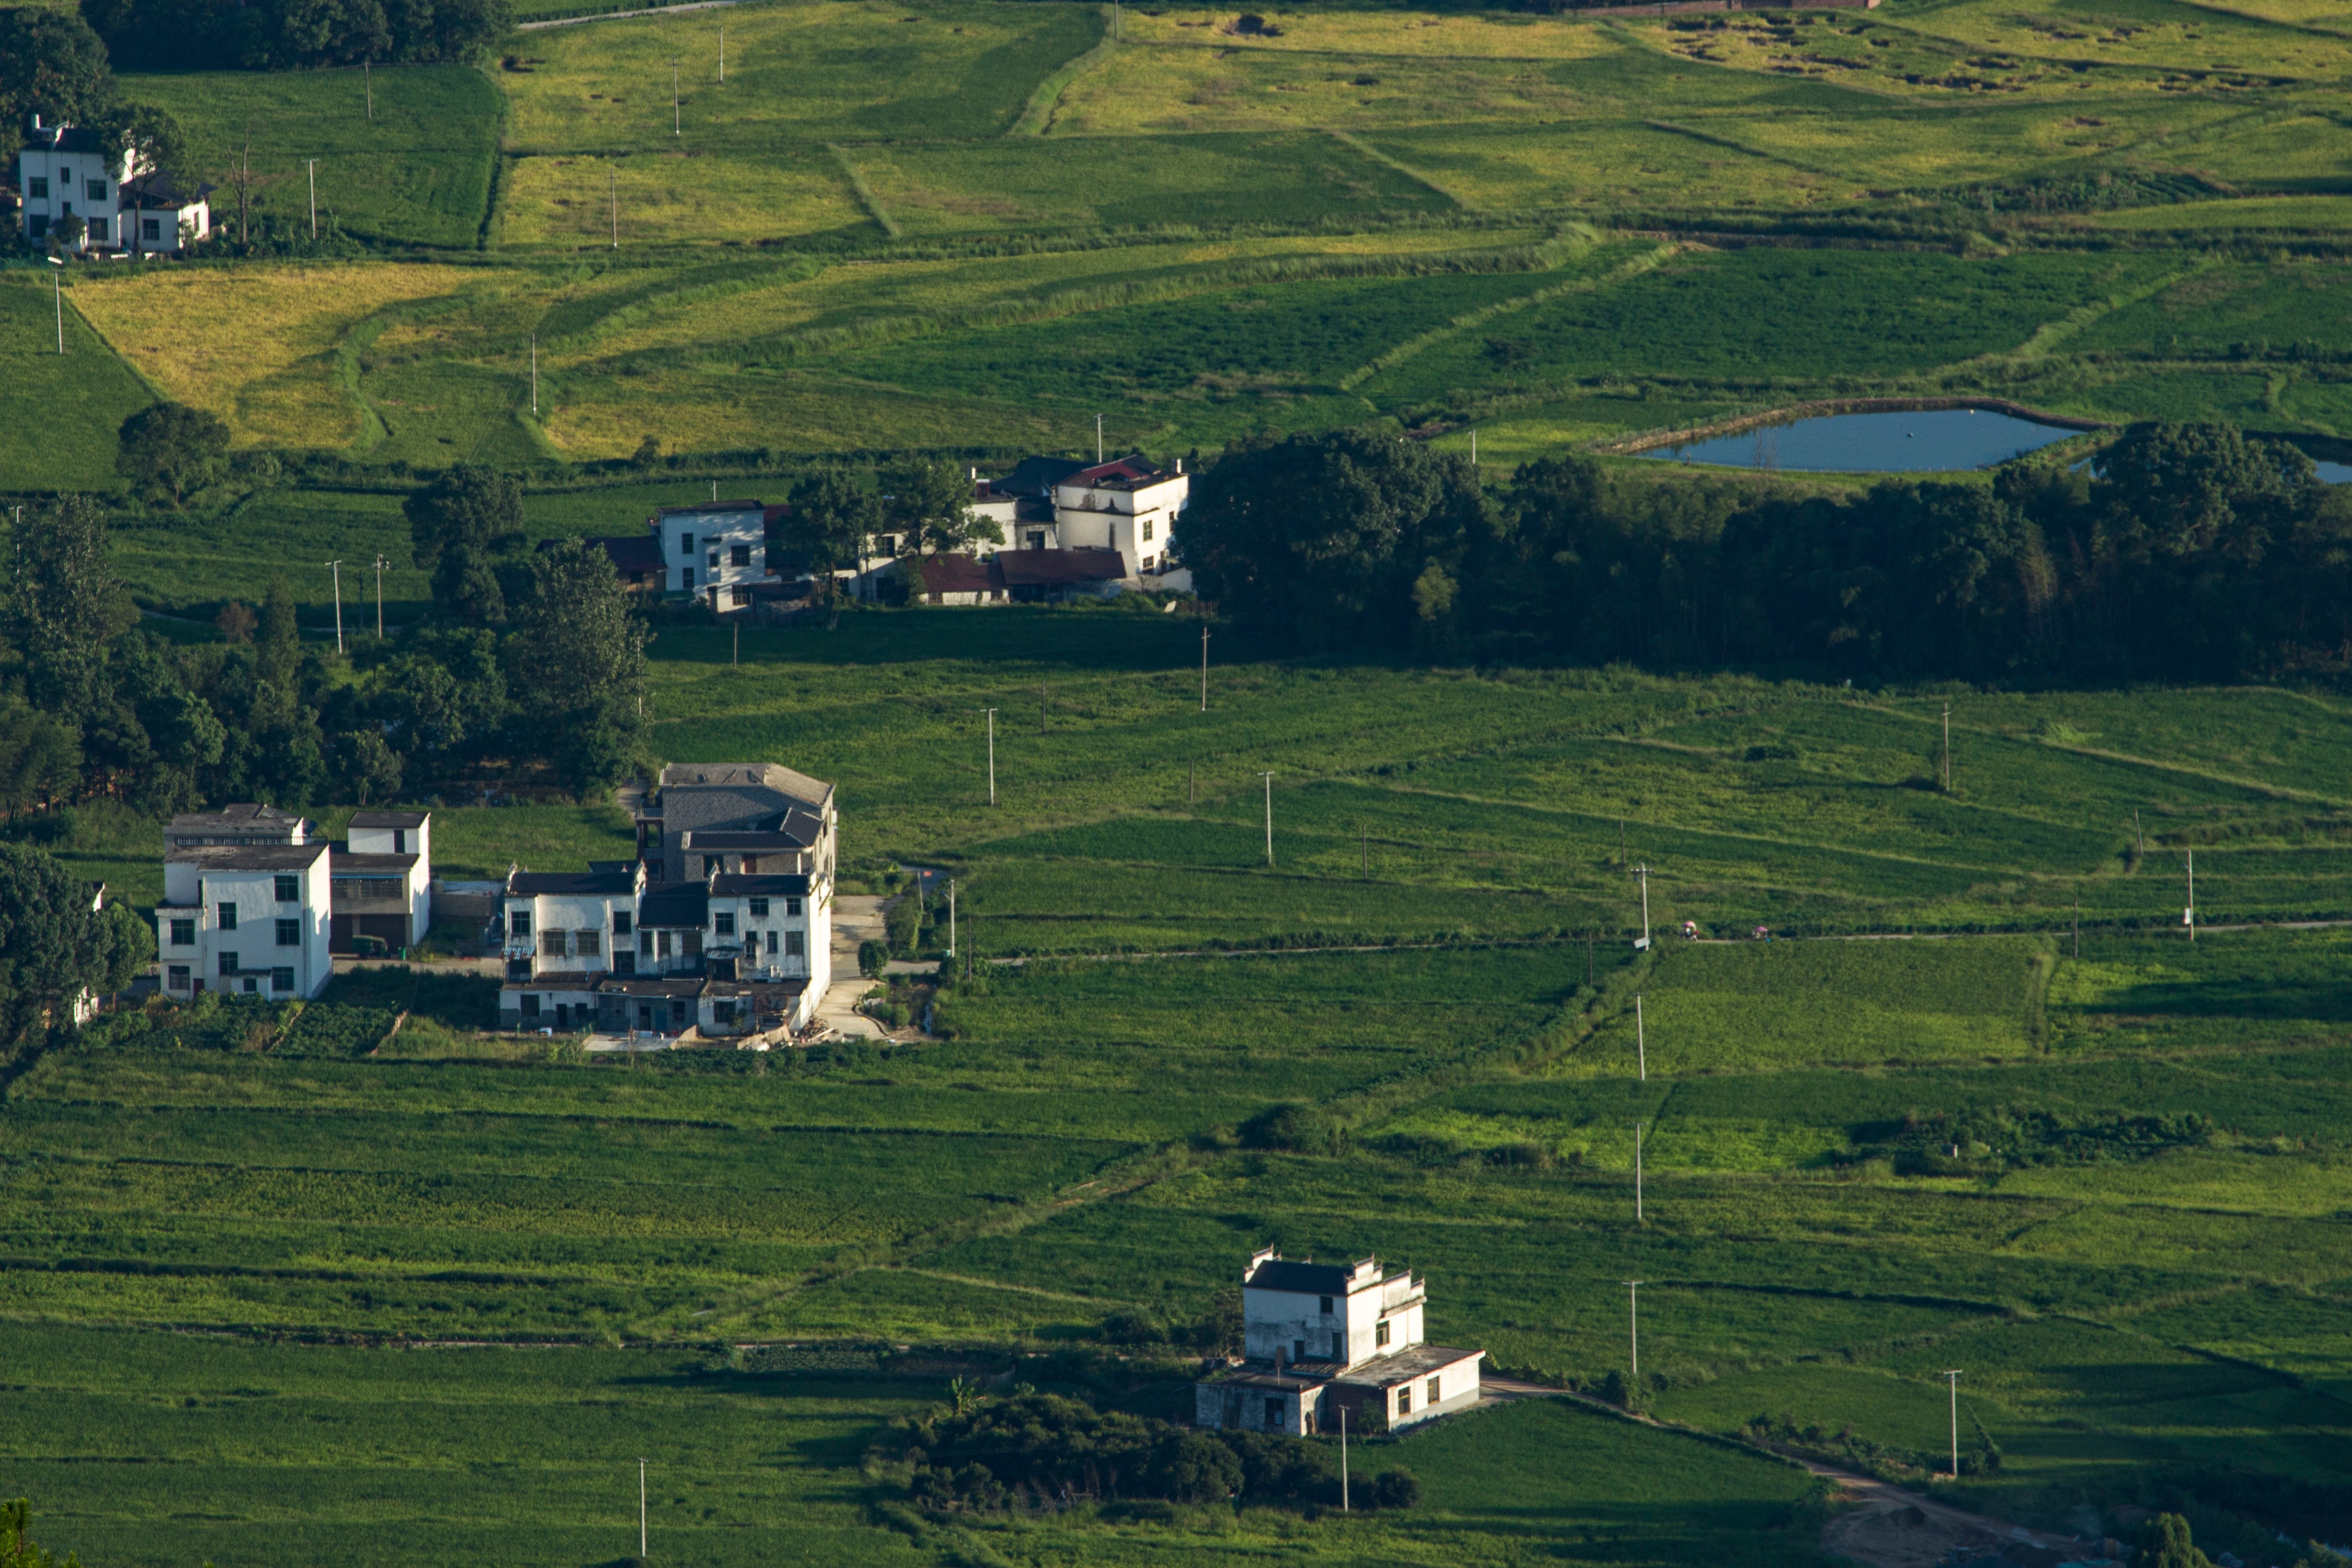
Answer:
(246, 918)
(1129, 505)
(64, 172)
(382, 876)
(718, 553)
(1318, 1339)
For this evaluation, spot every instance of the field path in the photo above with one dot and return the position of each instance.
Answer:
(617, 15)
(1882, 1524)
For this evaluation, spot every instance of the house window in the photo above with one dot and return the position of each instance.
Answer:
(289, 933)
(645, 943)
(530, 1006)
(722, 1012)
(1338, 1345)
(793, 907)
(98, 229)
(686, 545)
(519, 924)
(550, 944)
(1274, 1414)
(37, 227)
(183, 934)
(175, 978)
(227, 917)
(771, 942)
(591, 943)
(1433, 1392)
(96, 191)
(793, 944)
(289, 889)
(621, 919)
(249, 983)
(1037, 539)
(623, 961)
(282, 980)
(665, 944)
(36, 189)
(150, 228)
(711, 560)
(1326, 1304)
(1298, 1352)
(1147, 530)
(724, 925)
(739, 597)
(1380, 1333)
(1404, 1399)
(228, 963)
(738, 555)
(759, 909)
(400, 841)
(685, 578)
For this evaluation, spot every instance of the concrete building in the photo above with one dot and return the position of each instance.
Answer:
(383, 880)
(718, 553)
(246, 918)
(1129, 505)
(747, 818)
(63, 172)
(1318, 1339)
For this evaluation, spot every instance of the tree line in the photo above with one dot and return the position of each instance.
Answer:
(531, 665)
(2182, 551)
(294, 35)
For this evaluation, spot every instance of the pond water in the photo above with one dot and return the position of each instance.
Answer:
(2334, 473)
(1924, 441)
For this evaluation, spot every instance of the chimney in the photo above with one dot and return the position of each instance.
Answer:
(1180, 465)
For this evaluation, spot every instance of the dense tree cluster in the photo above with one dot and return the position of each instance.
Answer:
(2187, 553)
(1042, 1450)
(532, 665)
(292, 34)
(53, 65)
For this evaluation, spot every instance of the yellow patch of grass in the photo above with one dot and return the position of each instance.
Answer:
(687, 410)
(256, 344)
(1202, 89)
(2187, 39)
(665, 198)
(1381, 33)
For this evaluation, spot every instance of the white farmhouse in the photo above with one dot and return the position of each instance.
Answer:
(382, 878)
(1129, 505)
(64, 172)
(718, 553)
(246, 918)
(1318, 1339)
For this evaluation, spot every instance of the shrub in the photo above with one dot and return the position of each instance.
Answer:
(873, 957)
(1396, 1489)
(1300, 1128)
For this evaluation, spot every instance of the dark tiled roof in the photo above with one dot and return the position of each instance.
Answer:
(712, 506)
(249, 857)
(158, 190)
(1035, 476)
(390, 818)
(1059, 568)
(238, 815)
(675, 904)
(1304, 1278)
(706, 841)
(739, 885)
(344, 861)
(1117, 469)
(961, 574)
(570, 884)
(632, 552)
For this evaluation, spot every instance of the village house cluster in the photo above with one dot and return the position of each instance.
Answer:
(1064, 529)
(1320, 1340)
(722, 923)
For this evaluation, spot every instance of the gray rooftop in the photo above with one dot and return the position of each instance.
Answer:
(247, 857)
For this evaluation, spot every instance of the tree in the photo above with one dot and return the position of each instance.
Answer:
(930, 504)
(367, 770)
(171, 446)
(579, 656)
(461, 525)
(51, 64)
(2166, 1544)
(1396, 1489)
(281, 647)
(833, 516)
(15, 1550)
(53, 945)
(236, 623)
(40, 757)
(66, 608)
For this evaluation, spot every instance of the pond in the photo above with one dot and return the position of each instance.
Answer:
(1922, 441)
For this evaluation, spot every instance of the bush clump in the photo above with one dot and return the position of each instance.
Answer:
(1298, 1129)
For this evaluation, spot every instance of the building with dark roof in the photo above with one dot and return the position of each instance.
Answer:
(1321, 1339)
(65, 175)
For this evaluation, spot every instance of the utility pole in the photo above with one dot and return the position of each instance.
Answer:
(952, 917)
(1343, 1459)
(677, 115)
(1954, 1379)
(641, 1508)
(534, 375)
(722, 51)
(367, 76)
(1098, 440)
(1205, 631)
(2137, 837)
(1641, 1048)
(58, 290)
(1947, 748)
(1191, 775)
(1634, 1304)
(380, 565)
(1643, 871)
(992, 755)
(1473, 448)
(1269, 816)
(2078, 923)
(737, 659)
(313, 164)
(615, 175)
(2188, 915)
(337, 567)
(1637, 1175)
